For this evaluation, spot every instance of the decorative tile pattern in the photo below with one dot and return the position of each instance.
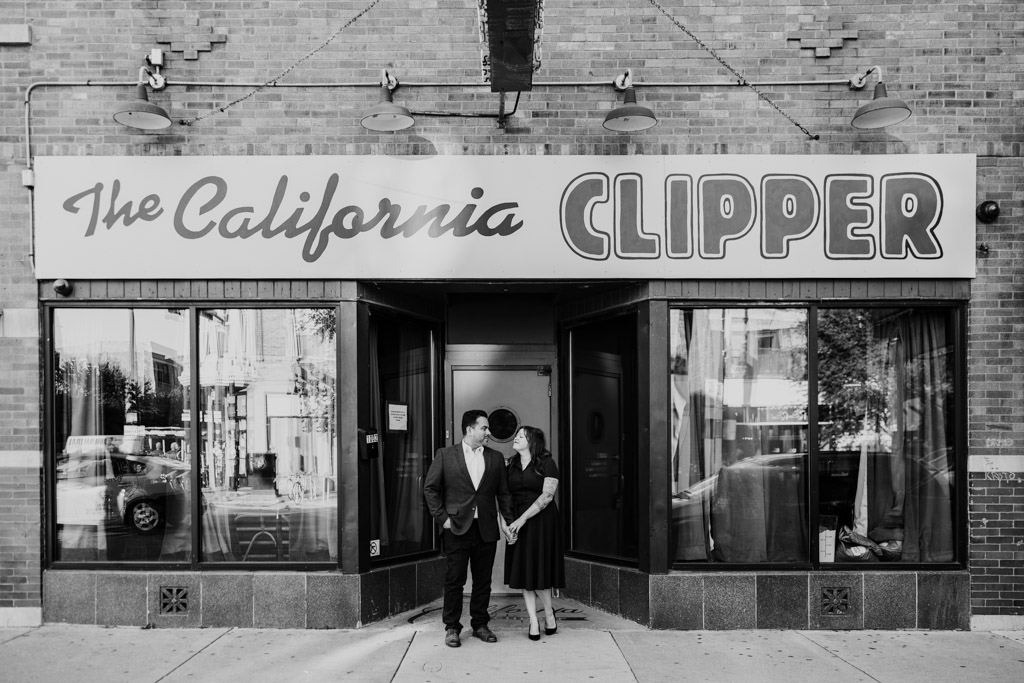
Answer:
(822, 38)
(835, 601)
(188, 38)
(173, 600)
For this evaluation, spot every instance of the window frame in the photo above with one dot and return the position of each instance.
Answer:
(192, 310)
(957, 311)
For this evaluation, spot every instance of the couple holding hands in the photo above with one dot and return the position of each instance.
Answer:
(474, 495)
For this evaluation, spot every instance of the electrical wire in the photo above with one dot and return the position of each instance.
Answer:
(742, 79)
(273, 81)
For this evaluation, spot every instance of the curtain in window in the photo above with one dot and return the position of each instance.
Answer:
(408, 463)
(378, 510)
(400, 374)
(910, 492)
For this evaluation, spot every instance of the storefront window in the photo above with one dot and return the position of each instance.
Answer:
(268, 435)
(122, 464)
(886, 465)
(739, 435)
(884, 456)
(401, 411)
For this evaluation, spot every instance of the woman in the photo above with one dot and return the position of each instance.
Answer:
(533, 557)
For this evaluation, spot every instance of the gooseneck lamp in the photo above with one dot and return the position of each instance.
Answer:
(630, 117)
(882, 111)
(386, 116)
(141, 113)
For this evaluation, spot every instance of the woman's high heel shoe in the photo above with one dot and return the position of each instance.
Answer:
(552, 630)
(530, 635)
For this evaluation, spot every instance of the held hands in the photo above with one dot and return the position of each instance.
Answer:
(506, 531)
(515, 526)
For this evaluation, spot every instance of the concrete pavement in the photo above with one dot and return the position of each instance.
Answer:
(589, 646)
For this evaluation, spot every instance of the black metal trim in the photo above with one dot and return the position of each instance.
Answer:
(49, 437)
(811, 487)
(195, 408)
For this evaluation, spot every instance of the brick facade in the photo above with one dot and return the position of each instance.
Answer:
(997, 543)
(959, 66)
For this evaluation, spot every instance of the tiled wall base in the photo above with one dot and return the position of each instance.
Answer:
(237, 598)
(808, 600)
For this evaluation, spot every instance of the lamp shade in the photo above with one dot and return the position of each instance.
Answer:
(386, 116)
(630, 117)
(141, 113)
(881, 111)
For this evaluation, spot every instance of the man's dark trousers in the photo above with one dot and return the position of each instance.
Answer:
(463, 552)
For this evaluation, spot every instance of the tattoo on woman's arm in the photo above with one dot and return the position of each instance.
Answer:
(548, 493)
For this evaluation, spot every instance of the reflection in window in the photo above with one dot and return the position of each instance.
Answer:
(401, 412)
(739, 435)
(886, 435)
(268, 435)
(123, 466)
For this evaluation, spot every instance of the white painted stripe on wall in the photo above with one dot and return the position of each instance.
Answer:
(20, 459)
(995, 463)
(17, 617)
(997, 622)
(20, 323)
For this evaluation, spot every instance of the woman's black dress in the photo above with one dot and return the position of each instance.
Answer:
(534, 561)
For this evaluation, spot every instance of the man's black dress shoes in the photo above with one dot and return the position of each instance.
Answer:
(451, 638)
(485, 634)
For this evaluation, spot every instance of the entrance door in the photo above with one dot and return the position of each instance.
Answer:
(603, 435)
(512, 397)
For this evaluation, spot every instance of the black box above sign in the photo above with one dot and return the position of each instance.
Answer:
(511, 27)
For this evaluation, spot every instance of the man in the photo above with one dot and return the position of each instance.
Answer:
(462, 486)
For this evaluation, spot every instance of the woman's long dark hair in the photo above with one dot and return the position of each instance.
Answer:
(538, 449)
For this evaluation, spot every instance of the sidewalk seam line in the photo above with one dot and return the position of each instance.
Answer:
(405, 654)
(621, 654)
(20, 635)
(194, 655)
(850, 664)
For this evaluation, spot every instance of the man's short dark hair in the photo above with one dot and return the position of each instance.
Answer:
(470, 417)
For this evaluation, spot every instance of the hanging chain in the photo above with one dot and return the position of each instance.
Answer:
(258, 89)
(740, 78)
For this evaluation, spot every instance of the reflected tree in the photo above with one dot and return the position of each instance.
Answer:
(851, 396)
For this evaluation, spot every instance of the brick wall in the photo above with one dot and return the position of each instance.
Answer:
(20, 560)
(997, 543)
(958, 65)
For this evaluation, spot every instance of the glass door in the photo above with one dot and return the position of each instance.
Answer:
(402, 402)
(604, 472)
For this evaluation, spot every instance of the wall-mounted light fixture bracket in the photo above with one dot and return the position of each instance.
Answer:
(155, 60)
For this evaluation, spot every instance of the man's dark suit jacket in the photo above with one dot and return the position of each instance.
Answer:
(449, 492)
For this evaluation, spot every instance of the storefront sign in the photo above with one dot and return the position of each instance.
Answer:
(505, 217)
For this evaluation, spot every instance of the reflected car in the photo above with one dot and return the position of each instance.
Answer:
(141, 492)
(792, 462)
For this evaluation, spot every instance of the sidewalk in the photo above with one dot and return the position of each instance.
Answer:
(589, 646)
